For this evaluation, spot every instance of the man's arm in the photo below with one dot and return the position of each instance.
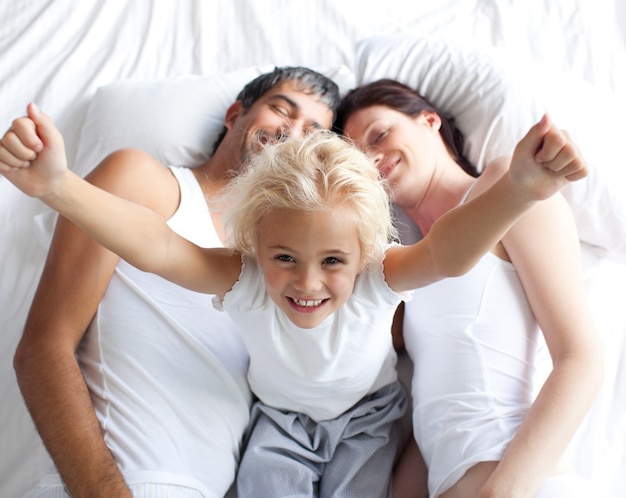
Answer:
(74, 279)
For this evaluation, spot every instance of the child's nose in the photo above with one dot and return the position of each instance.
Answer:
(308, 280)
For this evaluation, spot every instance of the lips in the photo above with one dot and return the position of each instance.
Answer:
(306, 305)
(266, 138)
(387, 168)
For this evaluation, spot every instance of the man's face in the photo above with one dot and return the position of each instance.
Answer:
(282, 111)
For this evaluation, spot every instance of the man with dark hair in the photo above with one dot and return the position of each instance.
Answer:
(133, 382)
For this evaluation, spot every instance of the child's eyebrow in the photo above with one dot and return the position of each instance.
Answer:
(323, 253)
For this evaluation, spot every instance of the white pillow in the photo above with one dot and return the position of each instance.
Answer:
(465, 83)
(596, 121)
(495, 98)
(177, 120)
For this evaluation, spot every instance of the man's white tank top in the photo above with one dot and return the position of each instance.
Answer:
(167, 372)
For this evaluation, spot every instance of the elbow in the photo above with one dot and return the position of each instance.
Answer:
(447, 264)
(459, 268)
(599, 371)
(32, 361)
(594, 365)
(22, 361)
(459, 272)
(594, 375)
(587, 366)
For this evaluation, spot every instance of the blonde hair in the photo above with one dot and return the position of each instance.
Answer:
(319, 172)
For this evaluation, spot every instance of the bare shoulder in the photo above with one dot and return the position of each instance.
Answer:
(137, 176)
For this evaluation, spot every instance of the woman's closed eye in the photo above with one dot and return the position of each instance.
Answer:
(381, 136)
(378, 135)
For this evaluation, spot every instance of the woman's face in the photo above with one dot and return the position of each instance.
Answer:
(404, 148)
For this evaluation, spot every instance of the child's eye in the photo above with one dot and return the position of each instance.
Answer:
(284, 258)
(331, 260)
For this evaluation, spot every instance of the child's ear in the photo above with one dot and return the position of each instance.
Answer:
(362, 266)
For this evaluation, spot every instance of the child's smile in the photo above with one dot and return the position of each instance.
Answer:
(310, 262)
(307, 305)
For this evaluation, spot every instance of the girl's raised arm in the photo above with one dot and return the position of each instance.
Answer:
(32, 157)
(543, 162)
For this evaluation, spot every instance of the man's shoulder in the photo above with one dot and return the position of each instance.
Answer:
(136, 175)
(128, 162)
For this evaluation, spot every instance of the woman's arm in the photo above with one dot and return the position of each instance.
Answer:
(410, 475)
(544, 248)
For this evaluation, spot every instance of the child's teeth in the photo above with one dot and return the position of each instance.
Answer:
(308, 303)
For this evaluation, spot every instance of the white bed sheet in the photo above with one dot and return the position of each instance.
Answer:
(58, 52)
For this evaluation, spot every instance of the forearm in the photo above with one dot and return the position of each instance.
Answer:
(59, 403)
(124, 227)
(410, 475)
(543, 437)
(476, 226)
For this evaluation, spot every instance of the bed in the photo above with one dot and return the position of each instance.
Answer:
(159, 75)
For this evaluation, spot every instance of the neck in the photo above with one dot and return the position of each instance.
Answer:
(211, 182)
(215, 174)
(444, 193)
